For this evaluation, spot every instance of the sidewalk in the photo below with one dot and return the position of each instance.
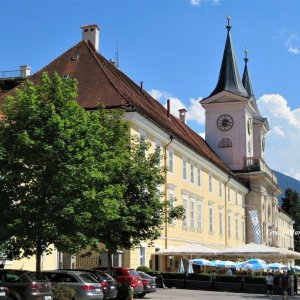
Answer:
(178, 294)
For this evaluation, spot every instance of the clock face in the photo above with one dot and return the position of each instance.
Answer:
(225, 122)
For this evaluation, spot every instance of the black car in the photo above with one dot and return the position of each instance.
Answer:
(148, 283)
(25, 285)
(109, 285)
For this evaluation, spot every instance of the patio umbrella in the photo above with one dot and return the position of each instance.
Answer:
(253, 264)
(278, 266)
(181, 267)
(201, 262)
(225, 264)
(296, 268)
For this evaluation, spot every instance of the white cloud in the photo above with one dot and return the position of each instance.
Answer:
(198, 2)
(278, 130)
(291, 41)
(283, 142)
(195, 111)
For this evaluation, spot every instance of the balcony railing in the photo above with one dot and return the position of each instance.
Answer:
(9, 74)
(258, 164)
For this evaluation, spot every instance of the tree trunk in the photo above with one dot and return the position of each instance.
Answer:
(109, 261)
(38, 255)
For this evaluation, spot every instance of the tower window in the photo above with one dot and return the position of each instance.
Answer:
(225, 143)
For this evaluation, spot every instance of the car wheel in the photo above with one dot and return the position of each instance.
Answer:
(142, 295)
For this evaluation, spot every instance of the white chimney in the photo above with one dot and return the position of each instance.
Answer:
(182, 114)
(91, 33)
(24, 71)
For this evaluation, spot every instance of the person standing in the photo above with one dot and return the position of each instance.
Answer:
(285, 281)
(270, 284)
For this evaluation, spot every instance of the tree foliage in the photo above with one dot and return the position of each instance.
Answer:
(55, 165)
(74, 178)
(291, 205)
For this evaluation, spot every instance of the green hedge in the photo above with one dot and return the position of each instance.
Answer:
(226, 278)
(255, 279)
(144, 269)
(173, 275)
(198, 276)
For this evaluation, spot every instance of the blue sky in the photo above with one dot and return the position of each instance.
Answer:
(175, 47)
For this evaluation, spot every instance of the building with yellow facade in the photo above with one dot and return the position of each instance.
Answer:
(219, 180)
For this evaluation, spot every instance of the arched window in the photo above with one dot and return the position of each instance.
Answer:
(225, 143)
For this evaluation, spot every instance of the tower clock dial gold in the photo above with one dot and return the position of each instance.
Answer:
(225, 122)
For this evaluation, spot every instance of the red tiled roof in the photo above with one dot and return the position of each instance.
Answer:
(99, 81)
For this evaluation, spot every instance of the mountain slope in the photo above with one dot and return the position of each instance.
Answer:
(285, 182)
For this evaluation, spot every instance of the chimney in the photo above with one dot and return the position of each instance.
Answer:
(168, 108)
(24, 71)
(91, 33)
(182, 114)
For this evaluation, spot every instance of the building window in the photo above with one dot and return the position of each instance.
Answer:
(192, 212)
(236, 199)
(143, 137)
(210, 219)
(171, 161)
(220, 188)
(184, 204)
(192, 172)
(142, 256)
(225, 143)
(228, 194)
(171, 200)
(237, 228)
(199, 215)
(184, 168)
(243, 230)
(158, 150)
(229, 225)
(210, 183)
(199, 176)
(243, 201)
(220, 222)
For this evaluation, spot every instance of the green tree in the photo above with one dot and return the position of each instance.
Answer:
(142, 211)
(56, 163)
(291, 205)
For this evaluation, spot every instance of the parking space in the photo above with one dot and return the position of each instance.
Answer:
(178, 294)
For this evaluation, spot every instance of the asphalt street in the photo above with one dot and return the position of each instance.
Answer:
(178, 294)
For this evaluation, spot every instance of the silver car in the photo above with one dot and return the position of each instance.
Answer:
(86, 286)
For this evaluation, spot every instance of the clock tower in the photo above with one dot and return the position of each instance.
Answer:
(236, 131)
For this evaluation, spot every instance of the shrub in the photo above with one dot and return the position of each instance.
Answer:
(226, 278)
(255, 279)
(173, 275)
(200, 277)
(143, 269)
(62, 292)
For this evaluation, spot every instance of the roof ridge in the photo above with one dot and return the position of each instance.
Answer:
(92, 51)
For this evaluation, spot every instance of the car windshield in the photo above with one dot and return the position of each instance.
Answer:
(145, 275)
(35, 276)
(133, 272)
(105, 275)
(88, 278)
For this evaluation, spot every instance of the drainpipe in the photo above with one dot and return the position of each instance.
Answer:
(226, 241)
(166, 197)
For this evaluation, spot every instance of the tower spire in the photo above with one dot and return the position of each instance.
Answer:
(248, 85)
(229, 77)
(246, 77)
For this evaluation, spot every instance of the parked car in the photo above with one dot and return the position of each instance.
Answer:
(126, 276)
(148, 283)
(25, 285)
(3, 293)
(109, 285)
(86, 287)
